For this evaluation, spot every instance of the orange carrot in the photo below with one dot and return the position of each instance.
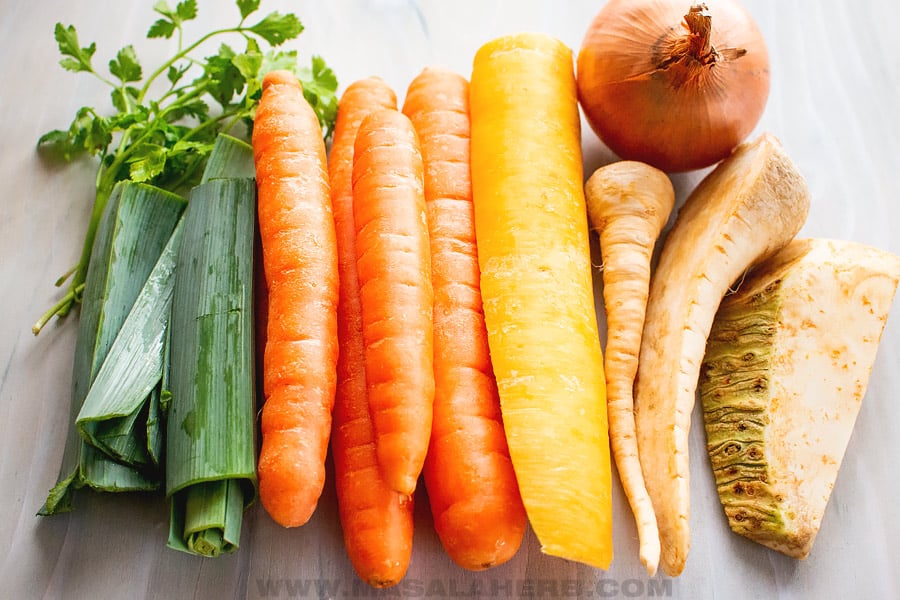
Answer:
(377, 521)
(300, 262)
(478, 512)
(393, 263)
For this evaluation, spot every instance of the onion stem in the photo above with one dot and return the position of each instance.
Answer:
(700, 23)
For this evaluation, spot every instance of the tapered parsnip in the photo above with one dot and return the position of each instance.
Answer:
(628, 204)
(781, 385)
(746, 209)
(533, 251)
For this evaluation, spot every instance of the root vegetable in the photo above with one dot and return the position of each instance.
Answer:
(472, 488)
(396, 296)
(628, 204)
(781, 386)
(377, 521)
(299, 256)
(746, 209)
(533, 251)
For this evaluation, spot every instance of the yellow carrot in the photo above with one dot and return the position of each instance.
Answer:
(532, 235)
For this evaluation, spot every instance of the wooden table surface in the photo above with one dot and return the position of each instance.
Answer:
(835, 88)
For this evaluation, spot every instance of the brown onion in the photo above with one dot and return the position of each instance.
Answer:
(671, 84)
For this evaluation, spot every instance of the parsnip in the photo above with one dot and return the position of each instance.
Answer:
(781, 385)
(628, 205)
(746, 209)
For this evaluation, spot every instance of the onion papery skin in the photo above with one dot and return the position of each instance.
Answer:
(684, 115)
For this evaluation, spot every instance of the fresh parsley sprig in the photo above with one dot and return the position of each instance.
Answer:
(164, 130)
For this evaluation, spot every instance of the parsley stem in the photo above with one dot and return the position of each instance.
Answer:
(181, 54)
(235, 112)
(61, 308)
(124, 149)
(100, 199)
(64, 276)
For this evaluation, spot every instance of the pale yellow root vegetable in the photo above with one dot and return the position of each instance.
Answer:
(628, 204)
(746, 209)
(781, 386)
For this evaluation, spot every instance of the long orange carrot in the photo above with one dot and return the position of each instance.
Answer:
(393, 262)
(478, 512)
(300, 261)
(377, 521)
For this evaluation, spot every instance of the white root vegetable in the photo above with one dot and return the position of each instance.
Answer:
(628, 204)
(781, 385)
(751, 205)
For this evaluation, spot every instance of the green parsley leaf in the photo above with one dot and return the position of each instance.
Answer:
(98, 135)
(196, 108)
(320, 90)
(162, 28)
(186, 10)
(124, 98)
(163, 8)
(146, 162)
(247, 7)
(125, 66)
(224, 78)
(248, 64)
(277, 28)
(56, 144)
(176, 72)
(172, 19)
(136, 117)
(275, 61)
(79, 58)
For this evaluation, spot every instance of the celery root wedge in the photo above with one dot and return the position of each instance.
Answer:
(745, 210)
(786, 368)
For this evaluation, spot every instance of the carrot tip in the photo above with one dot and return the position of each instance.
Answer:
(405, 485)
(280, 77)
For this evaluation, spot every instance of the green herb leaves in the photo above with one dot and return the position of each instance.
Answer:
(125, 67)
(172, 19)
(75, 58)
(277, 28)
(166, 120)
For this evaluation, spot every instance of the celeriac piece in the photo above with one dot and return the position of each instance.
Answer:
(786, 368)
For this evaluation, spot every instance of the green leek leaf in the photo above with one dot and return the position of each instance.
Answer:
(114, 415)
(230, 158)
(210, 433)
(136, 225)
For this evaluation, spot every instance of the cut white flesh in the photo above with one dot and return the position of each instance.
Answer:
(786, 368)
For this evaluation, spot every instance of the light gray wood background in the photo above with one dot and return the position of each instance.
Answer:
(836, 84)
